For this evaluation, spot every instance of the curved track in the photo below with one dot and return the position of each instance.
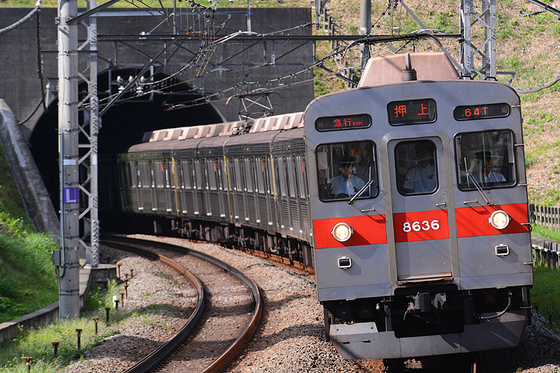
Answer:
(161, 357)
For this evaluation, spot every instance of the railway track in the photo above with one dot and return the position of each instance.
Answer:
(226, 316)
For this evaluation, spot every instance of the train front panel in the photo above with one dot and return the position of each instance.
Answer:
(419, 208)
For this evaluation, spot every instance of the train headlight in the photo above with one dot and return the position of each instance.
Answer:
(499, 219)
(342, 232)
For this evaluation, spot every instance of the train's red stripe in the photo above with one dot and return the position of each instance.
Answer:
(474, 221)
(421, 226)
(368, 230)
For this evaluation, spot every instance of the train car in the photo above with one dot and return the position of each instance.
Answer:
(418, 200)
(238, 183)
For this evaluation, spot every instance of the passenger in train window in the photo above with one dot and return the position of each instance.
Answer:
(422, 177)
(488, 176)
(346, 184)
(363, 166)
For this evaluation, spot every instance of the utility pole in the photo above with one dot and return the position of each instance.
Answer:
(69, 286)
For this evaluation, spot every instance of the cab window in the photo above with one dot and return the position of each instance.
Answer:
(485, 160)
(345, 168)
(416, 167)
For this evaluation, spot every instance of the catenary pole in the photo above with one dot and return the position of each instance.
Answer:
(68, 149)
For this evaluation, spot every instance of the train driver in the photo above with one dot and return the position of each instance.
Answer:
(488, 176)
(346, 184)
(422, 177)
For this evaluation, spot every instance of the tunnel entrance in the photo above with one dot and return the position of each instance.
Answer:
(124, 124)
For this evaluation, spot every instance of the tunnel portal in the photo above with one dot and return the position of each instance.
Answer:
(125, 122)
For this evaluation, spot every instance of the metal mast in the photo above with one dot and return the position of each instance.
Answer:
(68, 149)
(88, 145)
(484, 55)
(78, 153)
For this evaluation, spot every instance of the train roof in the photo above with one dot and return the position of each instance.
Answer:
(389, 69)
(272, 123)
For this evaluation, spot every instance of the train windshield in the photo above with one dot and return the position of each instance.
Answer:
(485, 159)
(416, 167)
(345, 168)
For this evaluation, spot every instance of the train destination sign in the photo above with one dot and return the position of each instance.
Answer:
(481, 111)
(346, 122)
(411, 112)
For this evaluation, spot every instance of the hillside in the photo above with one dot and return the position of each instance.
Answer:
(528, 44)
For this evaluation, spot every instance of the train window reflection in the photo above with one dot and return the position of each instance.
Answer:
(485, 159)
(416, 167)
(344, 168)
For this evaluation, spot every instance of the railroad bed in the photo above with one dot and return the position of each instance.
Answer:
(291, 337)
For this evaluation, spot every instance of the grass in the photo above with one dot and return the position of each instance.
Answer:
(27, 278)
(546, 289)
(37, 343)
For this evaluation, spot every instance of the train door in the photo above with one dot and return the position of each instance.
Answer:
(419, 206)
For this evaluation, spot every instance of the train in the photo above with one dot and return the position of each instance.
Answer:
(407, 195)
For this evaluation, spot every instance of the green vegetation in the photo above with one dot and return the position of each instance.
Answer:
(27, 279)
(37, 343)
(546, 290)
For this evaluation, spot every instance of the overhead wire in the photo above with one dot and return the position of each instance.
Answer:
(23, 20)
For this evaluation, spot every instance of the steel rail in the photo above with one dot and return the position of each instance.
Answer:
(164, 350)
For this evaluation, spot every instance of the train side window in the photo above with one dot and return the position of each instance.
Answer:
(211, 176)
(269, 177)
(178, 173)
(198, 167)
(231, 177)
(416, 167)
(219, 179)
(282, 177)
(485, 159)
(158, 174)
(169, 179)
(238, 173)
(145, 174)
(301, 176)
(134, 175)
(291, 176)
(248, 175)
(345, 168)
(260, 175)
(187, 174)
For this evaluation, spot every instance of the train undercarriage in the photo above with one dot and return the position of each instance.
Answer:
(427, 320)
(230, 235)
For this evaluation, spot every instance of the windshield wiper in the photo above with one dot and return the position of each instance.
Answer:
(360, 192)
(471, 178)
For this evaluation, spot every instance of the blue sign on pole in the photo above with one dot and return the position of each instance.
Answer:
(70, 195)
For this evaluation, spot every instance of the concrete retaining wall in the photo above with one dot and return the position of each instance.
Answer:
(31, 186)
